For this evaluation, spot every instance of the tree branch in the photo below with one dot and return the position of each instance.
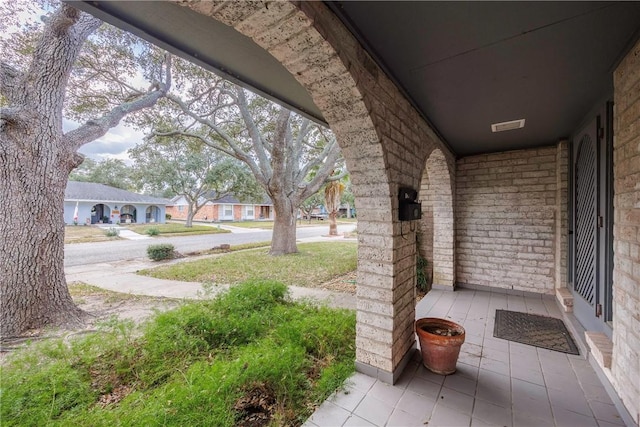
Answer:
(314, 185)
(11, 115)
(10, 79)
(238, 152)
(254, 133)
(94, 129)
(196, 136)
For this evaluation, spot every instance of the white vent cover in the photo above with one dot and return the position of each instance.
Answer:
(504, 126)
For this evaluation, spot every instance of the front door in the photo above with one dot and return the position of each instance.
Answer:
(591, 237)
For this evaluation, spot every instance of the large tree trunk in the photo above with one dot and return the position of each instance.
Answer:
(36, 158)
(33, 288)
(284, 228)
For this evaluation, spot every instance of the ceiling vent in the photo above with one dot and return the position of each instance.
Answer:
(504, 126)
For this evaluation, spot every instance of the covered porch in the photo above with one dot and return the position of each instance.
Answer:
(500, 117)
(497, 382)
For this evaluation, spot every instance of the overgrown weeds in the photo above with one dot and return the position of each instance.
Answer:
(248, 357)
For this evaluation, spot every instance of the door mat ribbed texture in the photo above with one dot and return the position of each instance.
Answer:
(531, 329)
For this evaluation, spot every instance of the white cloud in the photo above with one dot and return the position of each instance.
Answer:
(113, 145)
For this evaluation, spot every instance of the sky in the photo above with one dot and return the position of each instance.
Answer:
(113, 145)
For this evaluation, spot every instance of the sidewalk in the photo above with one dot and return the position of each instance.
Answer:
(124, 232)
(120, 276)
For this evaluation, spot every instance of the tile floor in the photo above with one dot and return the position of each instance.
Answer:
(497, 383)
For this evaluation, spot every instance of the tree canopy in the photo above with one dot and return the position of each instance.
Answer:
(112, 172)
(178, 166)
(290, 157)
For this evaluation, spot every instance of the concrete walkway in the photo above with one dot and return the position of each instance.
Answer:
(125, 233)
(120, 276)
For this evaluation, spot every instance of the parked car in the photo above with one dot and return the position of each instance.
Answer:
(318, 216)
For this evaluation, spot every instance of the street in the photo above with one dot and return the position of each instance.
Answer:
(118, 250)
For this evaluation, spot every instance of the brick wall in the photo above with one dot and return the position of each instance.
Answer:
(207, 212)
(211, 212)
(506, 210)
(626, 232)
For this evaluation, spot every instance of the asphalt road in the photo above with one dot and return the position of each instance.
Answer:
(118, 250)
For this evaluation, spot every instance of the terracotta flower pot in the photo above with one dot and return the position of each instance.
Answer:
(440, 342)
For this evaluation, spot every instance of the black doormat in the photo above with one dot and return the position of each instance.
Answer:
(531, 329)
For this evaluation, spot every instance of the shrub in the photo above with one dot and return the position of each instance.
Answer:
(153, 231)
(160, 251)
(112, 232)
(167, 216)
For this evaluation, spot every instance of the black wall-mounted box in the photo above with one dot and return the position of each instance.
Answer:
(410, 211)
(410, 208)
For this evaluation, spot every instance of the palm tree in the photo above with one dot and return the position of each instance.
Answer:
(332, 194)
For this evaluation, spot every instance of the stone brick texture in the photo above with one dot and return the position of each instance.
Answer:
(626, 232)
(510, 219)
(385, 143)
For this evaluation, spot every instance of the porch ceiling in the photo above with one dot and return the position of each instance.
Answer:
(464, 65)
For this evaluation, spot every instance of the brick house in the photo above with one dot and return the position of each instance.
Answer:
(412, 92)
(227, 208)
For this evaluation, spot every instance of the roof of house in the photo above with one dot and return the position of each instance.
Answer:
(228, 200)
(91, 191)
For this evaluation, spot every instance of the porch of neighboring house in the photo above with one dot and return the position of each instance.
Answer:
(497, 382)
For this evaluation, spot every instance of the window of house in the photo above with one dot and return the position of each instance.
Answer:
(249, 213)
(227, 211)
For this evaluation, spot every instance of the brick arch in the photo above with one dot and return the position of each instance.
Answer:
(345, 84)
(436, 228)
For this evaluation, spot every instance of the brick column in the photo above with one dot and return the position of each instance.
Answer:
(626, 232)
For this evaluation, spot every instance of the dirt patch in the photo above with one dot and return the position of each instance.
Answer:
(345, 283)
(256, 406)
(103, 306)
(99, 306)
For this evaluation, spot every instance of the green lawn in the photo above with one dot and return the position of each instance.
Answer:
(248, 357)
(85, 234)
(315, 264)
(268, 225)
(175, 229)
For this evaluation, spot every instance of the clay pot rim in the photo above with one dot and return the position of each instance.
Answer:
(440, 322)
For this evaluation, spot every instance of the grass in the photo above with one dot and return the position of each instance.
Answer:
(232, 248)
(174, 229)
(85, 234)
(249, 354)
(268, 225)
(315, 264)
